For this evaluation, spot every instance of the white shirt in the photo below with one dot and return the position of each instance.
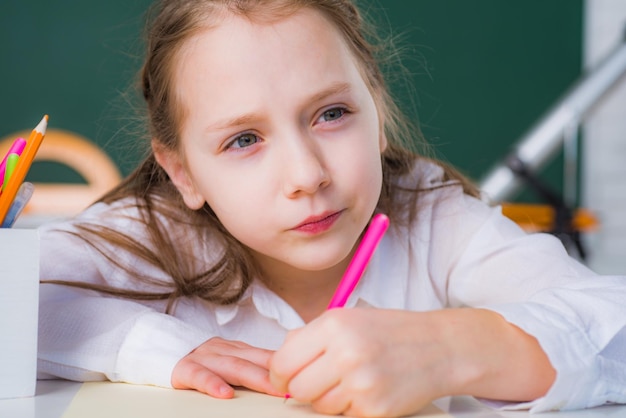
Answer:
(459, 252)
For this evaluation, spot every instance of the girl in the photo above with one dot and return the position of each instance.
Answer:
(273, 142)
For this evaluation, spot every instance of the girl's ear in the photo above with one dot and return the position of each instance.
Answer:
(173, 165)
(382, 138)
(382, 141)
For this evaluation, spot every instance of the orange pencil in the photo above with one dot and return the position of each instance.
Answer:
(22, 167)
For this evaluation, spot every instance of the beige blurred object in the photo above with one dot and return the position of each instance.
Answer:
(81, 155)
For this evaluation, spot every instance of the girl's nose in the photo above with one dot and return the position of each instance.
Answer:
(305, 171)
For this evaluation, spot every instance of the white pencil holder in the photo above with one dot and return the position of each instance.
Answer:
(19, 306)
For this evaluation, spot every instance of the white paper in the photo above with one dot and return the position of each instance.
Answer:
(119, 400)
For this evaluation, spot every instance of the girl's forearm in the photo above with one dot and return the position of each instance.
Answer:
(492, 358)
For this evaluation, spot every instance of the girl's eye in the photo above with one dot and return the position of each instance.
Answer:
(244, 140)
(333, 114)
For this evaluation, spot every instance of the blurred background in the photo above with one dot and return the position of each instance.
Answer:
(480, 74)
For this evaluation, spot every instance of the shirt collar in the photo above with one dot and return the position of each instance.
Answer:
(265, 302)
(383, 285)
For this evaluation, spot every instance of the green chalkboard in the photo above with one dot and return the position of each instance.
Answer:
(482, 71)
(74, 61)
(485, 70)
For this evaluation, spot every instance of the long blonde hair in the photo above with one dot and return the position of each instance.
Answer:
(171, 24)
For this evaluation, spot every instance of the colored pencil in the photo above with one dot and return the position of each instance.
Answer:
(19, 203)
(16, 148)
(23, 165)
(375, 231)
(9, 167)
(373, 235)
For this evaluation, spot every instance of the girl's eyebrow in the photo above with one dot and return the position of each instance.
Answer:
(334, 88)
(249, 118)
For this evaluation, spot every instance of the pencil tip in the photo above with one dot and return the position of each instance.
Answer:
(41, 127)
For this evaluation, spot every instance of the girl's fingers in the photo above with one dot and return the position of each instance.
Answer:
(333, 402)
(241, 372)
(215, 365)
(192, 375)
(297, 352)
(316, 379)
(259, 356)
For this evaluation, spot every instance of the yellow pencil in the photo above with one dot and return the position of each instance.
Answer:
(22, 167)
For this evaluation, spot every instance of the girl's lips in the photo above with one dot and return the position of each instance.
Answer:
(318, 224)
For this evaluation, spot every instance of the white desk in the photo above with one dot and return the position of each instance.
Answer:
(51, 400)
(54, 397)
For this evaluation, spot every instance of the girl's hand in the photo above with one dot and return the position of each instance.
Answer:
(370, 362)
(217, 364)
(361, 362)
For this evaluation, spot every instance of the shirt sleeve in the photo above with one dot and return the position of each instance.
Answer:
(85, 335)
(577, 316)
(582, 330)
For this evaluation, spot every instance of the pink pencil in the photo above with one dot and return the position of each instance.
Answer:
(375, 231)
(16, 148)
(373, 235)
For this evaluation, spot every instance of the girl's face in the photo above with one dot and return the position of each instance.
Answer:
(281, 138)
